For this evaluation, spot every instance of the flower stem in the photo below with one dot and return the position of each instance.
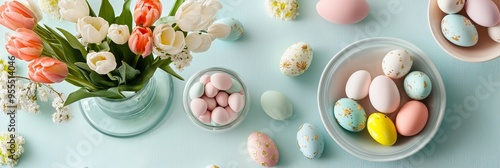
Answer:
(136, 60)
(176, 6)
(82, 82)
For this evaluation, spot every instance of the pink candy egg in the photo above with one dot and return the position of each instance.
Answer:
(236, 102)
(211, 103)
(343, 11)
(206, 117)
(411, 118)
(232, 115)
(221, 99)
(211, 90)
(262, 149)
(220, 116)
(205, 79)
(221, 81)
(198, 107)
(483, 12)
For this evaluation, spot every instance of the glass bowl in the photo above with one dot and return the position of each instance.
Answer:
(368, 54)
(187, 100)
(485, 49)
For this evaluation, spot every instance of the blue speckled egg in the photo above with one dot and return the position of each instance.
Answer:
(350, 115)
(459, 30)
(417, 85)
(236, 28)
(310, 141)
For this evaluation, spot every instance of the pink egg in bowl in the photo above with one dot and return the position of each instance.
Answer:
(485, 49)
(228, 106)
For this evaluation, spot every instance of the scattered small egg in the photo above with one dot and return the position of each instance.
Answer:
(196, 90)
(382, 129)
(221, 81)
(417, 85)
(296, 59)
(198, 107)
(262, 149)
(236, 101)
(276, 105)
(211, 90)
(397, 63)
(310, 141)
(220, 116)
(350, 115)
(358, 85)
(221, 99)
(236, 87)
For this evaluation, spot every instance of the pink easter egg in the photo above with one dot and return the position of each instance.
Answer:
(343, 11)
(221, 81)
(220, 116)
(211, 103)
(232, 115)
(236, 102)
(198, 107)
(483, 12)
(211, 90)
(221, 99)
(205, 79)
(262, 149)
(206, 117)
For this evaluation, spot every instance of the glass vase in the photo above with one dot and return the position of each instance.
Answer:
(133, 115)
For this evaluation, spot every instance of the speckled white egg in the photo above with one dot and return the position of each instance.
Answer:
(494, 33)
(451, 6)
(310, 141)
(417, 85)
(296, 59)
(397, 63)
(459, 30)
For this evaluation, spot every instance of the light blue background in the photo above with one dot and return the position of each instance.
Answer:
(468, 136)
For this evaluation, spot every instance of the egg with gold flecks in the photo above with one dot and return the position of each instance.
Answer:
(296, 59)
(350, 115)
(262, 149)
(459, 30)
(417, 85)
(310, 141)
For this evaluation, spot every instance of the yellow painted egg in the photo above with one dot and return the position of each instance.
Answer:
(382, 129)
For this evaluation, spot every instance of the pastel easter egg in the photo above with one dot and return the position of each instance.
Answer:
(211, 103)
(350, 115)
(234, 29)
(397, 63)
(384, 94)
(220, 116)
(417, 85)
(198, 107)
(276, 105)
(343, 11)
(236, 87)
(411, 118)
(206, 118)
(358, 85)
(205, 79)
(221, 81)
(196, 90)
(211, 90)
(483, 12)
(221, 99)
(232, 115)
(382, 129)
(236, 101)
(451, 6)
(310, 141)
(459, 30)
(296, 59)
(494, 33)
(262, 149)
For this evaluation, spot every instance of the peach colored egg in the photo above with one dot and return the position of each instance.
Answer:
(262, 149)
(483, 12)
(411, 118)
(220, 116)
(384, 94)
(343, 11)
(211, 103)
(221, 81)
(198, 107)
(211, 90)
(236, 102)
(221, 98)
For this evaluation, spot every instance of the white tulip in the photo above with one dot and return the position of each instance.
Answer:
(72, 10)
(92, 29)
(101, 62)
(167, 41)
(218, 30)
(33, 8)
(198, 42)
(195, 15)
(118, 33)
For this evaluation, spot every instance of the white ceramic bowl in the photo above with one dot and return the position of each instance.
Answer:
(485, 49)
(368, 54)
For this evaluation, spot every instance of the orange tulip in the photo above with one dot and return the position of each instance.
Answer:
(25, 44)
(146, 12)
(47, 70)
(15, 15)
(141, 41)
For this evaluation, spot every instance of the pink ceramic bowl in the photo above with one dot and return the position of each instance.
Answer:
(485, 49)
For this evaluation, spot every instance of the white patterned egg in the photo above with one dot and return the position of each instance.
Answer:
(397, 63)
(296, 59)
(310, 141)
(451, 6)
(459, 30)
(494, 33)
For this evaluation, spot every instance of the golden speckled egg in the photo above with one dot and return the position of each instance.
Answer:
(296, 59)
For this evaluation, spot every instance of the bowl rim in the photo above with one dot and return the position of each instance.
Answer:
(337, 139)
(448, 50)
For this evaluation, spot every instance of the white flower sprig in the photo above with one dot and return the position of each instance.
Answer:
(6, 150)
(283, 9)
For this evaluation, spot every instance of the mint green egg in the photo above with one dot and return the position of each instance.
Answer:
(276, 105)
(235, 88)
(417, 85)
(196, 90)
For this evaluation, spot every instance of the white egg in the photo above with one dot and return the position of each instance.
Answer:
(494, 33)
(358, 85)
(397, 63)
(384, 94)
(296, 59)
(451, 6)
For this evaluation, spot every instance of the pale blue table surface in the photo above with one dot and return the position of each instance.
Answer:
(468, 136)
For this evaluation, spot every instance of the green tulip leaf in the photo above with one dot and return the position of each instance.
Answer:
(125, 17)
(107, 12)
(84, 93)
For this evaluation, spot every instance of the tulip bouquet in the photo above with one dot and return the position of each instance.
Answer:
(109, 53)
